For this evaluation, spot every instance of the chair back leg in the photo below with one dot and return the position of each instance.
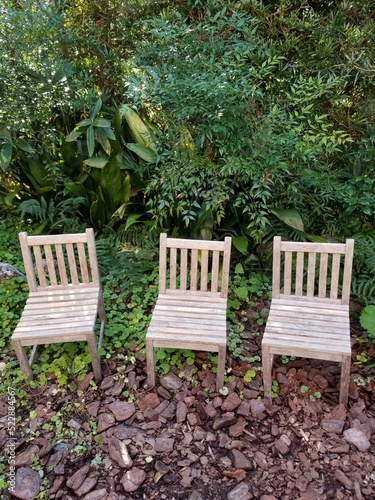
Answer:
(345, 380)
(22, 358)
(150, 354)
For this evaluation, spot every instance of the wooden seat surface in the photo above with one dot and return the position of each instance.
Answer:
(189, 318)
(309, 313)
(299, 327)
(68, 315)
(64, 298)
(191, 309)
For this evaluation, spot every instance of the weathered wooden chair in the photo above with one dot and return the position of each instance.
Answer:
(190, 312)
(65, 295)
(307, 317)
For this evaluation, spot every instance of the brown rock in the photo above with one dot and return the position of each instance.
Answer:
(118, 451)
(132, 479)
(321, 381)
(27, 484)
(93, 408)
(357, 438)
(75, 481)
(282, 444)
(88, 484)
(26, 458)
(301, 483)
(105, 421)
(240, 460)
(240, 492)
(97, 495)
(231, 402)
(181, 412)
(171, 382)
(333, 426)
(225, 420)
(244, 409)
(257, 407)
(45, 445)
(238, 428)
(122, 410)
(343, 479)
(150, 400)
(164, 445)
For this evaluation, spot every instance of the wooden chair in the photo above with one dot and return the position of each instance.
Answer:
(307, 317)
(65, 295)
(190, 311)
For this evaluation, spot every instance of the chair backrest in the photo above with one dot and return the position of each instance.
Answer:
(312, 270)
(60, 260)
(194, 265)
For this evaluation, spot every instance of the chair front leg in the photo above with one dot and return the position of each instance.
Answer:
(345, 380)
(95, 359)
(267, 369)
(150, 363)
(220, 367)
(22, 358)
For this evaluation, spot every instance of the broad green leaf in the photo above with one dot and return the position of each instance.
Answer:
(138, 128)
(241, 243)
(40, 174)
(74, 134)
(109, 133)
(96, 109)
(76, 188)
(132, 219)
(6, 155)
(97, 213)
(9, 198)
(90, 140)
(101, 122)
(24, 145)
(96, 162)
(290, 217)
(242, 292)
(367, 319)
(111, 183)
(143, 152)
(316, 239)
(239, 269)
(84, 123)
(103, 140)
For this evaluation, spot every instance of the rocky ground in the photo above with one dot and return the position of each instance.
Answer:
(183, 440)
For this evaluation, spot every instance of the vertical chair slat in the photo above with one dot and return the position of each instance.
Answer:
(276, 267)
(28, 262)
(322, 291)
(194, 270)
(183, 269)
(39, 265)
(204, 270)
(349, 250)
(93, 260)
(299, 273)
(163, 263)
(50, 264)
(335, 276)
(61, 264)
(226, 265)
(288, 273)
(215, 271)
(83, 263)
(72, 263)
(311, 274)
(173, 268)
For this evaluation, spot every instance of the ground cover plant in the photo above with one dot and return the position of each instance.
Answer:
(201, 119)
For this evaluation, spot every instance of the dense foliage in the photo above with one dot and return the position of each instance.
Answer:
(200, 118)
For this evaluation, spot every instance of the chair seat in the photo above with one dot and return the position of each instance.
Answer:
(58, 315)
(180, 318)
(299, 328)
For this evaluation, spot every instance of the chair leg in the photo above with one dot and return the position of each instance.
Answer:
(220, 367)
(267, 369)
(345, 380)
(95, 359)
(101, 310)
(34, 355)
(150, 363)
(22, 358)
